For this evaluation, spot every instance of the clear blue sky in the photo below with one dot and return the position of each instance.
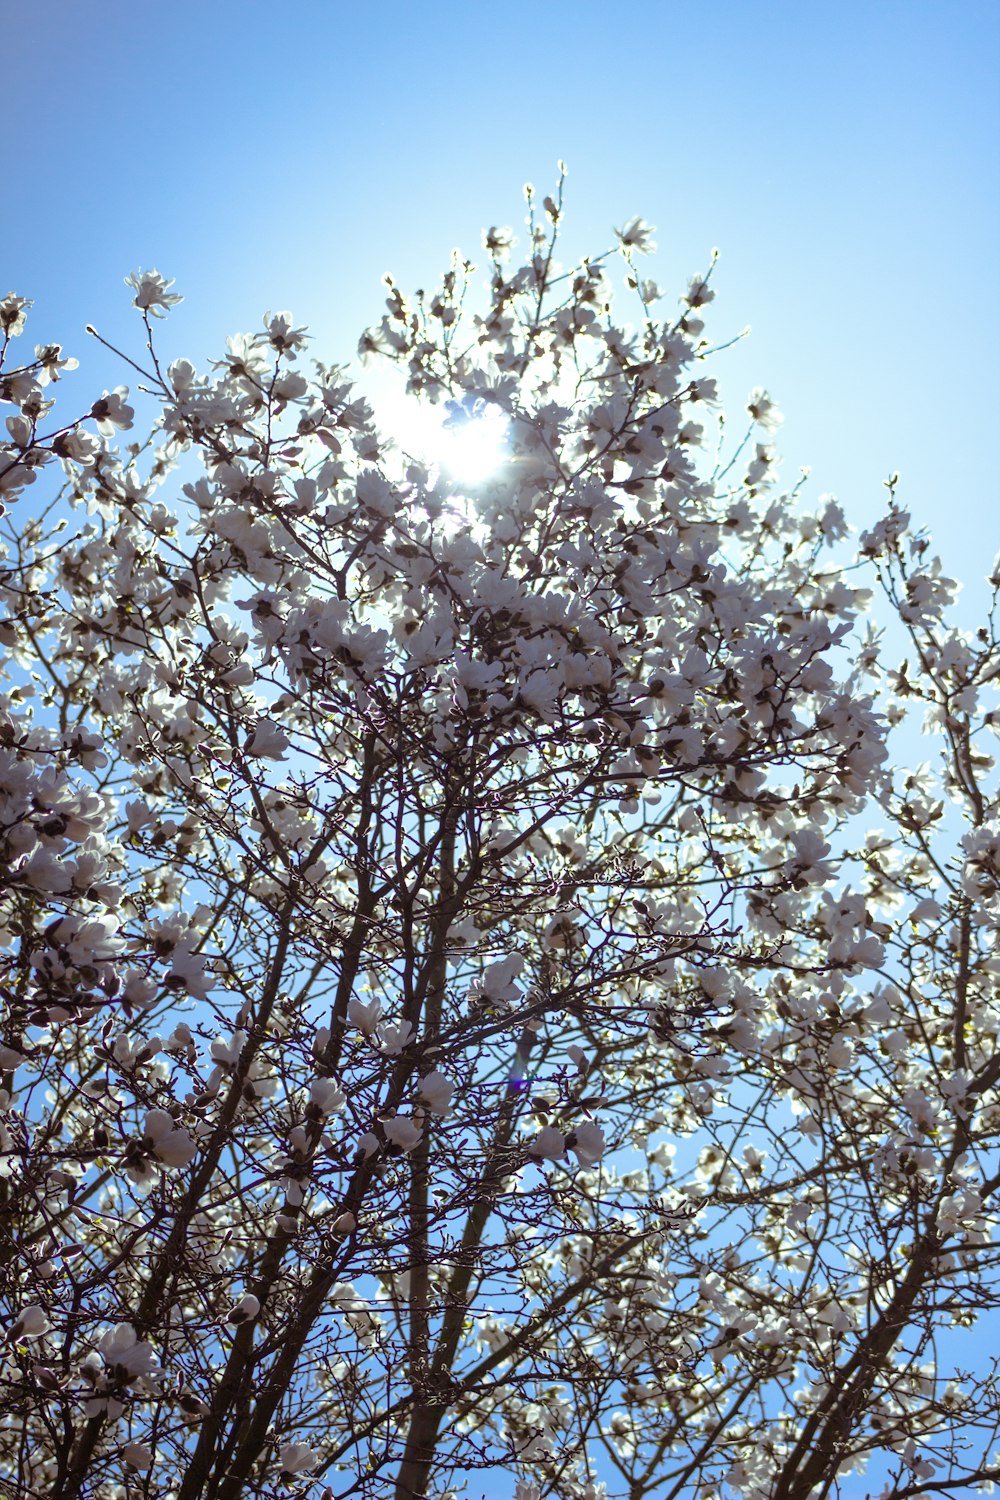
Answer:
(844, 158)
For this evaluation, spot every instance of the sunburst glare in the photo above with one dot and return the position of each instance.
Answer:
(472, 439)
(466, 440)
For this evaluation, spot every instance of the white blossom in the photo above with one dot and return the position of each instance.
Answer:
(152, 292)
(394, 1036)
(124, 1351)
(587, 1143)
(268, 742)
(138, 1455)
(403, 1131)
(172, 1144)
(327, 1095)
(437, 1089)
(30, 1323)
(364, 1016)
(636, 234)
(112, 413)
(245, 1310)
(549, 1143)
(297, 1458)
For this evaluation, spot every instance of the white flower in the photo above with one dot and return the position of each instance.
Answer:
(290, 386)
(698, 293)
(151, 292)
(20, 430)
(267, 741)
(956, 1207)
(840, 1053)
(809, 865)
(87, 748)
(138, 1455)
(920, 1467)
(13, 314)
(403, 1131)
(327, 1095)
(587, 1143)
(499, 242)
(282, 335)
(763, 410)
(294, 1458)
(190, 970)
(13, 477)
(111, 412)
(921, 1109)
(394, 1036)
(364, 1017)
(705, 390)
(549, 1142)
(498, 979)
(437, 1089)
(182, 375)
(245, 1310)
(122, 1349)
(32, 1322)
(637, 235)
(171, 1143)
(228, 1053)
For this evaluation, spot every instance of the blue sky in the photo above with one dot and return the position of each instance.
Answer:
(844, 158)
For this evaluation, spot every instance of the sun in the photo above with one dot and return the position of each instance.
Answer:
(467, 440)
(472, 439)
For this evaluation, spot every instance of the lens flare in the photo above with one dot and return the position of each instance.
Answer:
(466, 440)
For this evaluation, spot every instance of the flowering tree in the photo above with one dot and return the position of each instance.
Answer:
(457, 1014)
